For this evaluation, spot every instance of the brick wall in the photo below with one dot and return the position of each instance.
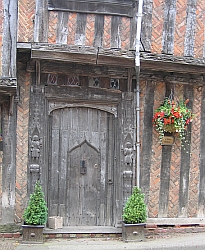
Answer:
(26, 18)
(188, 28)
(173, 188)
(22, 143)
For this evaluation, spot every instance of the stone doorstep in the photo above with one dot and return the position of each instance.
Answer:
(151, 231)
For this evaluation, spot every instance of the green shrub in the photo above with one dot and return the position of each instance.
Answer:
(36, 212)
(135, 210)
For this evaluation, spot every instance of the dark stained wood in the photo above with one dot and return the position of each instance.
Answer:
(189, 42)
(114, 7)
(8, 164)
(147, 139)
(79, 69)
(169, 27)
(165, 179)
(201, 204)
(115, 32)
(99, 29)
(62, 28)
(165, 169)
(81, 94)
(185, 159)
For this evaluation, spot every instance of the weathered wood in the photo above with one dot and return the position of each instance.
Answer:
(146, 33)
(41, 22)
(8, 165)
(201, 200)
(79, 69)
(62, 28)
(80, 29)
(189, 42)
(117, 57)
(114, 7)
(169, 27)
(99, 28)
(83, 93)
(9, 38)
(165, 171)
(8, 87)
(115, 32)
(78, 169)
(147, 139)
(185, 160)
(185, 79)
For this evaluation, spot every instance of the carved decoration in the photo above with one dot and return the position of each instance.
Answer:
(128, 152)
(36, 144)
(60, 105)
(8, 82)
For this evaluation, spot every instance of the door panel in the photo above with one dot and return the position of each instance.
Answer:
(81, 165)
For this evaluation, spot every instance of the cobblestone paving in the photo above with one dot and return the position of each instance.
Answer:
(7, 245)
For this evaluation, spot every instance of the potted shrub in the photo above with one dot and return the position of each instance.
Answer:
(134, 217)
(172, 117)
(35, 216)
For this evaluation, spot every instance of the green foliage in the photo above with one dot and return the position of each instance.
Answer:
(135, 210)
(36, 212)
(172, 116)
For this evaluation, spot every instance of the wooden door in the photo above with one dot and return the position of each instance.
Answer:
(81, 166)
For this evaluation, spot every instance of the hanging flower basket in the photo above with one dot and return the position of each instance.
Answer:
(172, 117)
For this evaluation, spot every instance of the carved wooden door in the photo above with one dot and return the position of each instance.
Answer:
(80, 187)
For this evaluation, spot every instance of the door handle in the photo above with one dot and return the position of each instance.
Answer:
(83, 169)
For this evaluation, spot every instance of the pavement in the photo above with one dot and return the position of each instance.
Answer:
(190, 241)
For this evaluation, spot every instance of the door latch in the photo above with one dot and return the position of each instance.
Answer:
(83, 169)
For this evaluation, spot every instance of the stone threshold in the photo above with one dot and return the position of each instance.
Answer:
(84, 230)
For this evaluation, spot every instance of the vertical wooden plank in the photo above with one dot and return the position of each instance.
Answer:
(169, 27)
(185, 160)
(133, 27)
(103, 157)
(190, 28)
(201, 203)
(110, 166)
(9, 38)
(165, 180)
(146, 33)
(54, 173)
(41, 21)
(80, 29)
(147, 139)
(62, 28)
(195, 154)
(99, 29)
(115, 32)
(8, 166)
(165, 171)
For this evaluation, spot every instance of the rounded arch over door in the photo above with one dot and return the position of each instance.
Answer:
(81, 164)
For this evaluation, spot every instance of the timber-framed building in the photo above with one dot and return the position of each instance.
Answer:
(78, 90)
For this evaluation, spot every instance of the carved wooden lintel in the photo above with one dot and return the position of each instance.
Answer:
(59, 105)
